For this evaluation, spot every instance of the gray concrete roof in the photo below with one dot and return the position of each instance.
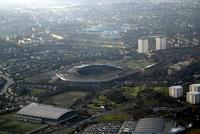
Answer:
(43, 111)
(150, 125)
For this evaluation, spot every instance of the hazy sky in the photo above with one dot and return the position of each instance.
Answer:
(27, 2)
(30, 3)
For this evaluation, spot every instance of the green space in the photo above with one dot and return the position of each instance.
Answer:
(32, 92)
(43, 77)
(35, 91)
(148, 102)
(70, 131)
(67, 98)
(138, 64)
(186, 88)
(114, 117)
(102, 101)
(162, 90)
(101, 44)
(135, 91)
(9, 125)
(3, 132)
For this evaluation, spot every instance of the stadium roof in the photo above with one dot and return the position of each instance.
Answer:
(150, 125)
(43, 111)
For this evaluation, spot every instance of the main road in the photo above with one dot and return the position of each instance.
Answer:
(4, 90)
(9, 82)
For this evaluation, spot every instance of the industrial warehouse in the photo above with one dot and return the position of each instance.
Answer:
(40, 113)
(153, 126)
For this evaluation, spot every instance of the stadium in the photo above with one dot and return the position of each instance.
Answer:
(93, 75)
(40, 113)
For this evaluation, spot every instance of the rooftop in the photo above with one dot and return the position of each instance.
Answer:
(43, 111)
(150, 125)
(176, 87)
(194, 93)
(196, 85)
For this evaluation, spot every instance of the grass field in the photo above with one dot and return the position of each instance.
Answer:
(70, 131)
(113, 117)
(135, 91)
(163, 90)
(102, 101)
(36, 91)
(41, 77)
(134, 64)
(66, 99)
(8, 125)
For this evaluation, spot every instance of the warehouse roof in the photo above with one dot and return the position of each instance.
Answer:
(150, 125)
(43, 111)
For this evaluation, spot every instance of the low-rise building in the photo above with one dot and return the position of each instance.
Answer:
(40, 113)
(153, 126)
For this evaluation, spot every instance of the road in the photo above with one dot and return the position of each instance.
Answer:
(9, 82)
(5, 89)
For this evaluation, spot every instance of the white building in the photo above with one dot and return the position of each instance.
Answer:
(176, 91)
(193, 97)
(143, 45)
(41, 113)
(195, 88)
(161, 43)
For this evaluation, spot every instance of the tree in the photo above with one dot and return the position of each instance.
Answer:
(116, 96)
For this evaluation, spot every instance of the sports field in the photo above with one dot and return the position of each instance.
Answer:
(9, 125)
(66, 99)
